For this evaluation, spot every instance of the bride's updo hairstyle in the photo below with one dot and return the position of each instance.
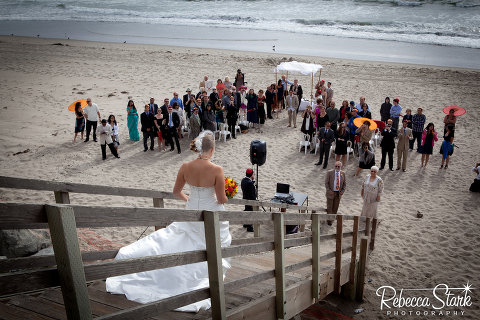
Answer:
(204, 142)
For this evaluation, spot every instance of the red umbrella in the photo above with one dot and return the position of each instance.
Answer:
(458, 110)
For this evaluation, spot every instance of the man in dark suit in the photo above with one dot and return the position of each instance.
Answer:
(232, 114)
(297, 90)
(270, 100)
(173, 122)
(326, 137)
(249, 193)
(186, 97)
(236, 98)
(153, 106)
(388, 144)
(214, 96)
(335, 184)
(147, 120)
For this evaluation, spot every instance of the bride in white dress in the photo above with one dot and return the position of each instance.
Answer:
(207, 192)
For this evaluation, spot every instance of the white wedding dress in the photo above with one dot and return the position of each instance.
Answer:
(149, 286)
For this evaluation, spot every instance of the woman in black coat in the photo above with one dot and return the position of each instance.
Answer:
(209, 119)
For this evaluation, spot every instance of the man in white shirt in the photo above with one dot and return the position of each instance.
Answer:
(335, 184)
(292, 105)
(359, 105)
(105, 133)
(91, 112)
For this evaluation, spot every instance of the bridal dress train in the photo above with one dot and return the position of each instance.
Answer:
(149, 286)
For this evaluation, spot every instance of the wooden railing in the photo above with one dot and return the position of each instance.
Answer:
(72, 275)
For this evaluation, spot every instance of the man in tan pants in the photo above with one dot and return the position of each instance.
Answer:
(291, 103)
(404, 136)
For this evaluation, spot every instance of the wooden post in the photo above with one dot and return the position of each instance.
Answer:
(62, 197)
(256, 227)
(63, 231)
(356, 223)
(374, 231)
(316, 256)
(278, 236)
(158, 203)
(214, 260)
(361, 268)
(368, 223)
(284, 227)
(338, 255)
(311, 92)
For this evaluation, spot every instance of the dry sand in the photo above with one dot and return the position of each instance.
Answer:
(38, 80)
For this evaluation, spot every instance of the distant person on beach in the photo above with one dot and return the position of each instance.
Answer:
(208, 118)
(186, 97)
(366, 158)
(326, 136)
(385, 110)
(297, 90)
(450, 119)
(214, 96)
(343, 110)
(353, 128)
(292, 103)
(172, 124)
(153, 106)
(227, 83)
(341, 139)
(239, 79)
(429, 136)
(285, 84)
(408, 117)
(280, 93)
(189, 105)
(261, 107)
(365, 113)
(359, 105)
(404, 136)
(307, 123)
(220, 87)
(195, 123)
(372, 190)
(364, 132)
(105, 133)
(113, 123)
(320, 86)
(179, 112)
(92, 114)
(333, 114)
(79, 120)
(418, 121)
(475, 186)
(132, 121)
(219, 113)
(329, 94)
(270, 99)
(335, 184)
(177, 100)
(147, 120)
(446, 149)
(388, 144)
(206, 85)
(232, 115)
(252, 107)
(249, 193)
(395, 113)
(159, 129)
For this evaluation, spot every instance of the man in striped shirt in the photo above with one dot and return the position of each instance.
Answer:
(418, 122)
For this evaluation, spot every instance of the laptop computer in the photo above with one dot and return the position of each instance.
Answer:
(283, 190)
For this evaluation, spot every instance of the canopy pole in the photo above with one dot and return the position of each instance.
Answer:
(276, 95)
(311, 92)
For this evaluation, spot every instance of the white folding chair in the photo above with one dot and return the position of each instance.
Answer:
(237, 127)
(332, 147)
(377, 137)
(304, 141)
(349, 148)
(223, 132)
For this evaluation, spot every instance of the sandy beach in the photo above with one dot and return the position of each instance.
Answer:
(39, 78)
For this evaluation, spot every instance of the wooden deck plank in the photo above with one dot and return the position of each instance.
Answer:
(43, 307)
(14, 313)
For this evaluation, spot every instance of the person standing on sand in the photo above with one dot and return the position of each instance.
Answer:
(195, 123)
(249, 193)
(329, 95)
(132, 121)
(335, 184)
(385, 110)
(372, 190)
(404, 136)
(475, 186)
(147, 120)
(388, 144)
(105, 133)
(429, 136)
(270, 100)
(418, 121)
(395, 112)
(326, 136)
(291, 103)
(91, 112)
(79, 121)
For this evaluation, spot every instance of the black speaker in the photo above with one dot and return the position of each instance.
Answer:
(258, 152)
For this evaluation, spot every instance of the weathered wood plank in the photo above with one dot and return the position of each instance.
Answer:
(362, 263)
(353, 259)
(28, 281)
(45, 308)
(338, 255)
(315, 256)
(279, 264)
(10, 312)
(6, 265)
(69, 262)
(214, 261)
(374, 232)
(22, 216)
(61, 197)
(159, 203)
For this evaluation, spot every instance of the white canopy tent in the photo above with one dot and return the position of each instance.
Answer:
(299, 67)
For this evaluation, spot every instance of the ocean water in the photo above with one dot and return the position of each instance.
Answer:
(453, 23)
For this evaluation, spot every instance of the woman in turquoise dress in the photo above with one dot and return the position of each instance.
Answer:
(132, 121)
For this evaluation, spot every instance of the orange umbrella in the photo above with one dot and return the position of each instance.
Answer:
(83, 104)
(359, 121)
(458, 110)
